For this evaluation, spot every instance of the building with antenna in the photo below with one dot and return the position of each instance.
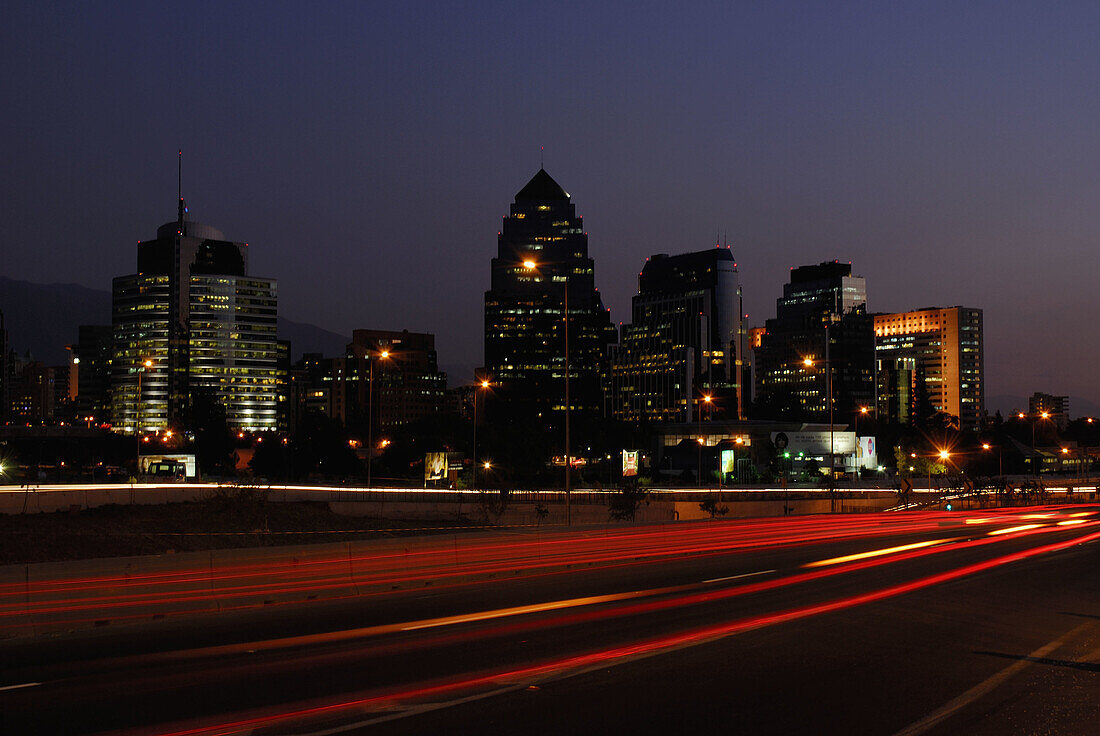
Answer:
(193, 330)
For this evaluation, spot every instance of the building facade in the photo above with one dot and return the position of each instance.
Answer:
(683, 342)
(1055, 407)
(90, 373)
(192, 326)
(405, 385)
(930, 360)
(819, 345)
(542, 264)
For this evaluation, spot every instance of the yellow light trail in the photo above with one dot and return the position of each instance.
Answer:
(1011, 529)
(876, 553)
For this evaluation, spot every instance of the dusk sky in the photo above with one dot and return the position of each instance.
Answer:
(367, 151)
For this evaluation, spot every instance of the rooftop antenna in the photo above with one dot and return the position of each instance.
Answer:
(179, 185)
(542, 157)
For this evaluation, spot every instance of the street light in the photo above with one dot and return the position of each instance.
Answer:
(1000, 457)
(384, 354)
(809, 362)
(473, 467)
(531, 265)
(707, 400)
(145, 365)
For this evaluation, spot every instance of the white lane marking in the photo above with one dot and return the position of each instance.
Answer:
(19, 687)
(735, 577)
(984, 688)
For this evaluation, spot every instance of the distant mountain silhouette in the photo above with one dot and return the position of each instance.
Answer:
(43, 319)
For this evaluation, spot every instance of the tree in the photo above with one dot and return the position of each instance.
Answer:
(624, 504)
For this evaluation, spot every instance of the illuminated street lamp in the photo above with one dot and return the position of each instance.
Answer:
(1000, 457)
(383, 355)
(483, 384)
(707, 400)
(809, 362)
(145, 365)
(531, 265)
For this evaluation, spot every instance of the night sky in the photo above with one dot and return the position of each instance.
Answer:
(367, 151)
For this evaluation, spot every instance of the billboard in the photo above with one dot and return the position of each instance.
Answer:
(190, 466)
(729, 462)
(866, 455)
(815, 443)
(435, 466)
(630, 463)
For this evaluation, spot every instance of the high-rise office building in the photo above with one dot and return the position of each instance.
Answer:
(192, 326)
(930, 360)
(683, 341)
(820, 343)
(542, 264)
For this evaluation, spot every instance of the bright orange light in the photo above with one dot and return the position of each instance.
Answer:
(1045, 415)
(912, 454)
(384, 443)
(863, 410)
(1089, 420)
(1065, 450)
(485, 384)
(740, 440)
(706, 399)
(384, 354)
(807, 361)
(944, 454)
(986, 446)
(240, 435)
(487, 465)
(529, 264)
(148, 364)
(700, 440)
(1021, 415)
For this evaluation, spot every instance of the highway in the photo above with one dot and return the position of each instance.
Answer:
(906, 623)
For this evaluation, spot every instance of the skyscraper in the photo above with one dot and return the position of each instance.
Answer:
(683, 341)
(191, 326)
(820, 343)
(930, 360)
(542, 263)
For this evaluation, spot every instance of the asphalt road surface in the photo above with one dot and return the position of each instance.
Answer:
(914, 623)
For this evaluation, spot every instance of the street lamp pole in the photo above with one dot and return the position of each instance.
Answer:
(568, 459)
(370, 415)
(473, 479)
(137, 413)
(531, 265)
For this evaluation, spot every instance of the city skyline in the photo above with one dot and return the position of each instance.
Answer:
(967, 188)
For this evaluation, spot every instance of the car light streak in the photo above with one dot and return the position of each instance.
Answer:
(204, 591)
(877, 553)
(563, 667)
(1014, 529)
(626, 609)
(443, 564)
